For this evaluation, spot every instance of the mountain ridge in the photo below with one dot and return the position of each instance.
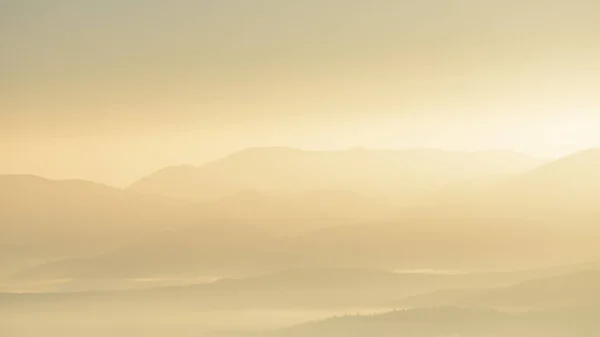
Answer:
(405, 173)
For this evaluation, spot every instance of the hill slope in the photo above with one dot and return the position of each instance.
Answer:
(52, 218)
(450, 322)
(569, 185)
(404, 175)
(576, 288)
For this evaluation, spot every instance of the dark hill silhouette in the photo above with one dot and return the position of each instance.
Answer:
(568, 303)
(449, 322)
(404, 175)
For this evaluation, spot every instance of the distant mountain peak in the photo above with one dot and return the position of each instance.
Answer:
(585, 162)
(408, 174)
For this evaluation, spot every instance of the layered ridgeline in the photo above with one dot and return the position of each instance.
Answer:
(235, 250)
(448, 322)
(136, 234)
(319, 288)
(51, 218)
(97, 236)
(160, 236)
(43, 219)
(560, 305)
(282, 191)
(564, 289)
(402, 176)
(568, 185)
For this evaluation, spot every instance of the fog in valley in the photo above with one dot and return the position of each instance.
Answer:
(516, 257)
(299, 169)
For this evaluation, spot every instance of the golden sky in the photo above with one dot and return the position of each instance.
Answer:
(111, 90)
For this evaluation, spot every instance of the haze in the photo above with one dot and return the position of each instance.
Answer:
(113, 90)
(271, 168)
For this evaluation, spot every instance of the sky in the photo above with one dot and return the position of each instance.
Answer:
(112, 90)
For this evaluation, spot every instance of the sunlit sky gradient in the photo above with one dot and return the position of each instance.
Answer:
(111, 90)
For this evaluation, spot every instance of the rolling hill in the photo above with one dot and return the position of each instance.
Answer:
(569, 289)
(401, 176)
(72, 217)
(220, 247)
(448, 322)
(567, 186)
(310, 288)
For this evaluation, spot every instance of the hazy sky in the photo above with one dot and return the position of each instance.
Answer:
(112, 89)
